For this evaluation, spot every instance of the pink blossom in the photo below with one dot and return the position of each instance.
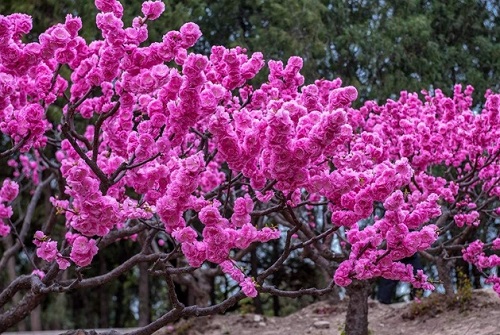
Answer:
(22, 23)
(496, 244)
(395, 235)
(9, 190)
(186, 234)
(60, 35)
(229, 268)
(62, 262)
(5, 211)
(248, 287)
(190, 33)
(47, 250)
(467, 219)
(341, 97)
(153, 9)
(420, 281)
(73, 24)
(38, 273)
(210, 216)
(342, 273)
(83, 250)
(394, 201)
(4, 229)
(195, 252)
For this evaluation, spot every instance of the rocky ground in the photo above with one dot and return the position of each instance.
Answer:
(478, 314)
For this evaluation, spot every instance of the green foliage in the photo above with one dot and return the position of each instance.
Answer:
(341, 330)
(246, 306)
(49, 12)
(379, 46)
(464, 291)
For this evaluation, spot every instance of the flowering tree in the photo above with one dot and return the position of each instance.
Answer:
(155, 143)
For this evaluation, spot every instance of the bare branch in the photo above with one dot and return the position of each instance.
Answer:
(97, 129)
(30, 211)
(314, 292)
(16, 147)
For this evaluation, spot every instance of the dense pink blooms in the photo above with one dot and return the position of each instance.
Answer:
(467, 219)
(342, 274)
(185, 141)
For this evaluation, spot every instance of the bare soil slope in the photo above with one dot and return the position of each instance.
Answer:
(432, 316)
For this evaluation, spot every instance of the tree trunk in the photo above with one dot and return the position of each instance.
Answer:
(443, 268)
(103, 296)
(11, 272)
(36, 319)
(118, 322)
(277, 276)
(276, 305)
(356, 322)
(254, 260)
(28, 303)
(144, 308)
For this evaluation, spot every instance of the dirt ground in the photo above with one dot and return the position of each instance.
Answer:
(432, 316)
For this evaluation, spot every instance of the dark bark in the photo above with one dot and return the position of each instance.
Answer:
(103, 296)
(276, 305)
(144, 307)
(213, 296)
(119, 304)
(29, 302)
(445, 278)
(36, 318)
(257, 302)
(11, 272)
(277, 278)
(356, 322)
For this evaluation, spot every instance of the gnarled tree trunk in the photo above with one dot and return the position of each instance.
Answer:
(356, 322)
(443, 268)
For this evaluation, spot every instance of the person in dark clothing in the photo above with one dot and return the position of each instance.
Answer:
(387, 287)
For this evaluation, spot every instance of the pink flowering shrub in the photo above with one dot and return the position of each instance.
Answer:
(178, 152)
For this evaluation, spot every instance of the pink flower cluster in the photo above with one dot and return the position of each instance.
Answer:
(83, 250)
(183, 182)
(475, 255)
(47, 250)
(467, 219)
(8, 192)
(90, 212)
(153, 9)
(439, 132)
(247, 284)
(219, 236)
(241, 211)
